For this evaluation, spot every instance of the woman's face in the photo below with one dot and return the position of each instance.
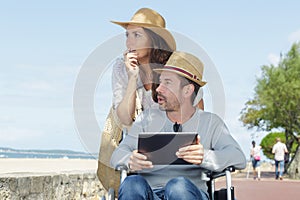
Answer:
(138, 40)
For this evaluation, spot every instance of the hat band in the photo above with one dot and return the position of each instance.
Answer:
(183, 71)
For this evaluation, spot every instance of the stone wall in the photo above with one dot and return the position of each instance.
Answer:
(51, 186)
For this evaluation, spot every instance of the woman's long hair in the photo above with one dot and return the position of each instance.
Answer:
(159, 56)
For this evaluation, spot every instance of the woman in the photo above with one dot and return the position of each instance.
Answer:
(255, 158)
(149, 44)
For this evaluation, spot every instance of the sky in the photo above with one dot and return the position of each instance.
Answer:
(44, 47)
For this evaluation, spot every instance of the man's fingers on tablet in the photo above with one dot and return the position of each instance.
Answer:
(146, 164)
(198, 139)
(189, 148)
(193, 159)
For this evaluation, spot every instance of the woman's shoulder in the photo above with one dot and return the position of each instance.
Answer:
(118, 63)
(119, 69)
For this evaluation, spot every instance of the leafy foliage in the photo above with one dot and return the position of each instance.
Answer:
(269, 140)
(276, 103)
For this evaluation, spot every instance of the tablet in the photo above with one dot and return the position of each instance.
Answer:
(160, 147)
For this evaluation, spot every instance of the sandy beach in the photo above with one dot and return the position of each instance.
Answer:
(25, 166)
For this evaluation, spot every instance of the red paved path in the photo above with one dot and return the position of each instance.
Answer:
(266, 189)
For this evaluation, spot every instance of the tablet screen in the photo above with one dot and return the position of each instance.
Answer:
(160, 148)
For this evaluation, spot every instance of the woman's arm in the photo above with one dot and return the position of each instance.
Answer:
(126, 108)
(124, 84)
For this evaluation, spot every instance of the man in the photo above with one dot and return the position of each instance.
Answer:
(279, 149)
(215, 149)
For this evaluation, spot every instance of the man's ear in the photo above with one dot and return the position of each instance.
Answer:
(189, 89)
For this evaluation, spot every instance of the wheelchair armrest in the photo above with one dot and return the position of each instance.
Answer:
(121, 167)
(214, 175)
(123, 171)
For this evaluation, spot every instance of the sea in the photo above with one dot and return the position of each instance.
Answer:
(65, 154)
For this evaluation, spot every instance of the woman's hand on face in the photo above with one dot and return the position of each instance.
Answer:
(131, 62)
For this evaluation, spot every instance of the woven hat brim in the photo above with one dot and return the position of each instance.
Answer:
(162, 32)
(125, 24)
(160, 70)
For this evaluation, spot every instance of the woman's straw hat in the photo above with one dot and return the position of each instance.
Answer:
(152, 20)
(184, 64)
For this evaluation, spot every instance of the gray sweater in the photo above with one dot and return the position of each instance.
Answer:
(220, 148)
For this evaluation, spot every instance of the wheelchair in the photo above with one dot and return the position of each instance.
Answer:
(209, 176)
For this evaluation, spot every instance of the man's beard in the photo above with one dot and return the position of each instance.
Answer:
(169, 106)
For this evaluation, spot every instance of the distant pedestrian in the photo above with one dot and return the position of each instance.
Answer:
(279, 149)
(255, 159)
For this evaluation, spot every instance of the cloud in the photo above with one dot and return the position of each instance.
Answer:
(37, 85)
(5, 119)
(8, 135)
(32, 79)
(49, 69)
(294, 36)
(273, 59)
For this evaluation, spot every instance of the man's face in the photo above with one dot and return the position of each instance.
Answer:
(169, 92)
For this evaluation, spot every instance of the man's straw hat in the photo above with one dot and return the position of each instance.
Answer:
(152, 20)
(184, 64)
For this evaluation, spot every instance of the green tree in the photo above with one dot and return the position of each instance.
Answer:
(269, 140)
(276, 102)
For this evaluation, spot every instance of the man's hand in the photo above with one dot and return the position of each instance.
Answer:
(193, 153)
(139, 161)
